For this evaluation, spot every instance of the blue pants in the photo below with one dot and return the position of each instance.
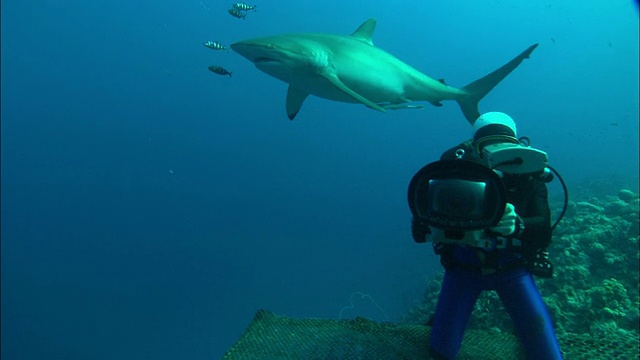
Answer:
(520, 296)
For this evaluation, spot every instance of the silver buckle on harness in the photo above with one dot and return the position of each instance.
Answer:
(489, 243)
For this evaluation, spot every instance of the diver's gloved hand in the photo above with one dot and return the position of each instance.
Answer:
(419, 230)
(507, 224)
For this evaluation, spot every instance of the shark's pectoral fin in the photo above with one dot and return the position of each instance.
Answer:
(340, 85)
(295, 98)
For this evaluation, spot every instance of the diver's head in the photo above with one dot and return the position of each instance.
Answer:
(493, 128)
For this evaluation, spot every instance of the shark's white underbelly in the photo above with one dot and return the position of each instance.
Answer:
(374, 74)
(321, 87)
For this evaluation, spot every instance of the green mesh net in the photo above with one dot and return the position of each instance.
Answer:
(271, 336)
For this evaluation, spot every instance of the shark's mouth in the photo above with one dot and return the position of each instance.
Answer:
(264, 60)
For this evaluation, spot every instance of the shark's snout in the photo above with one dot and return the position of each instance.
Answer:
(252, 51)
(240, 47)
(256, 52)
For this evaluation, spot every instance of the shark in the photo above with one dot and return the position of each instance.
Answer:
(349, 68)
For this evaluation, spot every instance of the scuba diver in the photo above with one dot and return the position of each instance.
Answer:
(484, 207)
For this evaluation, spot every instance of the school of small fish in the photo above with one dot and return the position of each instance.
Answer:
(238, 10)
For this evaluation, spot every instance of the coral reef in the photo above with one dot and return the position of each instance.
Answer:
(594, 290)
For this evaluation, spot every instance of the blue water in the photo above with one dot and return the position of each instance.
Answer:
(151, 207)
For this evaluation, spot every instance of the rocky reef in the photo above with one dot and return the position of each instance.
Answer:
(594, 290)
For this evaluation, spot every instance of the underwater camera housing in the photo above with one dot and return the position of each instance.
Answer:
(515, 158)
(460, 198)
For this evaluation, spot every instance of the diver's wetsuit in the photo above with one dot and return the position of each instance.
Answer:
(469, 271)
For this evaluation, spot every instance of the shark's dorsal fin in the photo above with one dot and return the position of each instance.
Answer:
(365, 31)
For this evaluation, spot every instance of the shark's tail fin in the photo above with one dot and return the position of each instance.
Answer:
(481, 87)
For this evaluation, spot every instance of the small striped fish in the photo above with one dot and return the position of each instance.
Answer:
(214, 45)
(237, 13)
(244, 7)
(219, 70)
